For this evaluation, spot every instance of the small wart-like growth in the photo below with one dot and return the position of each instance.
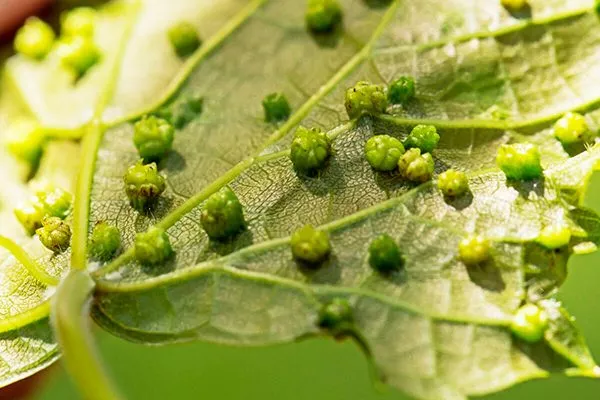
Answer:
(152, 247)
(143, 185)
(79, 54)
(423, 137)
(276, 107)
(182, 111)
(55, 234)
(310, 149)
(25, 140)
(222, 215)
(105, 241)
(402, 90)
(184, 38)
(474, 250)
(384, 254)
(453, 183)
(30, 217)
(336, 316)
(54, 201)
(34, 39)
(310, 245)
(323, 15)
(383, 152)
(416, 167)
(365, 98)
(554, 236)
(520, 161)
(80, 21)
(49, 201)
(530, 323)
(572, 128)
(514, 5)
(153, 137)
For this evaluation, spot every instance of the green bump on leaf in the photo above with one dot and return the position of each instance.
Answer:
(222, 215)
(34, 39)
(474, 250)
(184, 38)
(310, 245)
(152, 247)
(153, 138)
(310, 149)
(416, 167)
(182, 111)
(402, 90)
(55, 234)
(514, 5)
(530, 323)
(53, 201)
(48, 201)
(105, 241)
(323, 15)
(79, 54)
(554, 236)
(520, 161)
(79, 21)
(383, 152)
(365, 98)
(424, 137)
(26, 141)
(385, 255)
(143, 185)
(453, 183)
(276, 107)
(572, 128)
(336, 316)
(30, 217)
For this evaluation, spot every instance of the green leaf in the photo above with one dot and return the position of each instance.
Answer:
(484, 77)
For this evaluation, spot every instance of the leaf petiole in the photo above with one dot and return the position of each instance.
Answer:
(70, 321)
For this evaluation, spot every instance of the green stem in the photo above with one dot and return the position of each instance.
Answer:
(34, 268)
(70, 320)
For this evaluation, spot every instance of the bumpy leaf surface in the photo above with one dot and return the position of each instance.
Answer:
(436, 329)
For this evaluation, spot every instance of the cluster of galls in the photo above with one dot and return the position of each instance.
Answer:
(386, 153)
(221, 217)
(222, 214)
(44, 214)
(366, 98)
(75, 48)
(153, 138)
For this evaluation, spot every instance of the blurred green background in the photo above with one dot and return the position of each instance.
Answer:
(315, 369)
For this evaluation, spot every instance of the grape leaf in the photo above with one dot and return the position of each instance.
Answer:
(436, 329)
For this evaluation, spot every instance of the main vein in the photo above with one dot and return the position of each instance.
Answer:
(91, 143)
(293, 121)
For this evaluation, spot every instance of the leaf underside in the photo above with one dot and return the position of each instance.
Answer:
(436, 329)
